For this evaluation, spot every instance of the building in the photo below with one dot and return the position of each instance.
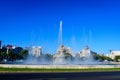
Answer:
(36, 51)
(113, 54)
(86, 52)
(6, 48)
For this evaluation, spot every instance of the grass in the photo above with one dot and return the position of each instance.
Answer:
(56, 70)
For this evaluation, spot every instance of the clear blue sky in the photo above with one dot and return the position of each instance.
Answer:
(95, 23)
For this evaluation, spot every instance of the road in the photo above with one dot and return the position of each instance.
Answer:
(62, 76)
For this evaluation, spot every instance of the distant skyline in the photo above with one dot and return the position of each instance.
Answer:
(95, 23)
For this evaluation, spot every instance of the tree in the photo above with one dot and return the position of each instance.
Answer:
(2, 56)
(17, 50)
(10, 56)
(23, 54)
(48, 56)
(101, 58)
(117, 58)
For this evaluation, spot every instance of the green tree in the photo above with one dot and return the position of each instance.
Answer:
(117, 58)
(10, 55)
(48, 56)
(101, 58)
(22, 54)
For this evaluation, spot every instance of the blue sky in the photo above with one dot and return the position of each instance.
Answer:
(95, 23)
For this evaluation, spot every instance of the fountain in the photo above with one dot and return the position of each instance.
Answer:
(64, 58)
(64, 54)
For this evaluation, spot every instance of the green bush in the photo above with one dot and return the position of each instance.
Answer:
(117, 58)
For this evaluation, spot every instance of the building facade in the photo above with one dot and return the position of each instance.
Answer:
(36, 51)
(113, 54)
(85, 52)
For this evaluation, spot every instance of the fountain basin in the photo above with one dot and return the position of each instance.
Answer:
(58, 66)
